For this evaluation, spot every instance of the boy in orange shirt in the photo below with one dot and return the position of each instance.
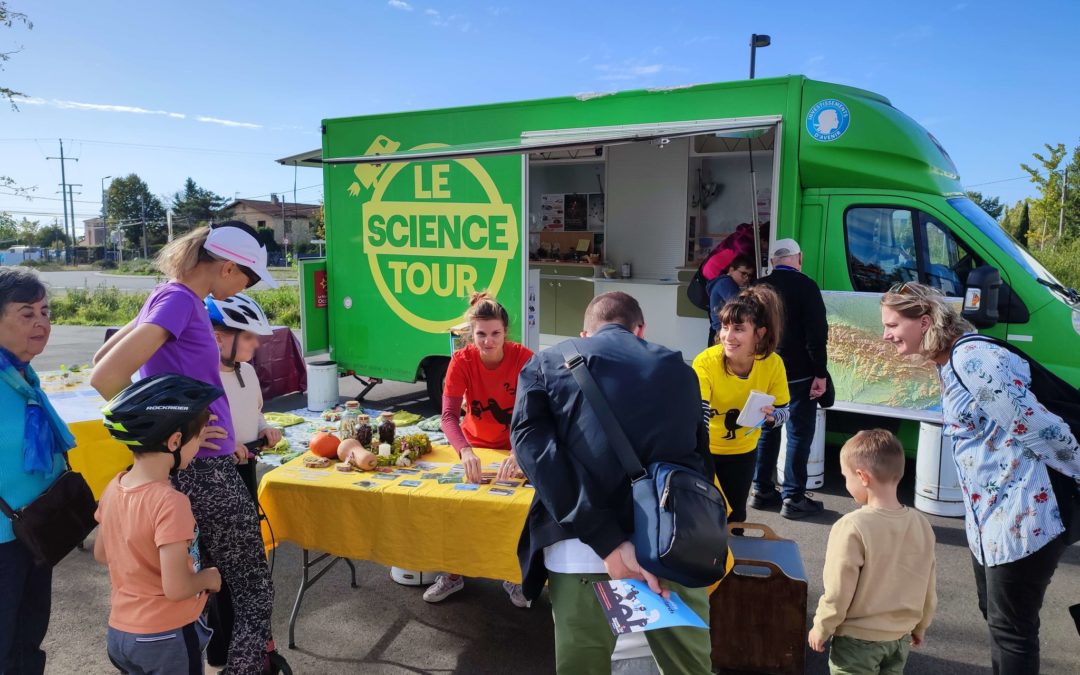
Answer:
(147, 534)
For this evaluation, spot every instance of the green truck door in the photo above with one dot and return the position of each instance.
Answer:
(876, 241)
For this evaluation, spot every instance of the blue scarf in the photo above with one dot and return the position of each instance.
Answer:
(44, 433)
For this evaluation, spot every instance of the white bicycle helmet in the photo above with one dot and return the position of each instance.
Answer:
(239, 312)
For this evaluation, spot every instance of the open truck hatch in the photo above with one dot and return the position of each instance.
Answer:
(532, 142)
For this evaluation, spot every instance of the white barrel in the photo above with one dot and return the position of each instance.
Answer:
(322, 385)
(412, 577)
(937, 487)
(815, 464)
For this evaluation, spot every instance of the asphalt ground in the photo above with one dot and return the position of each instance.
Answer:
(381, 627)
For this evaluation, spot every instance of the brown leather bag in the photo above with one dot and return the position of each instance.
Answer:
(57, 521)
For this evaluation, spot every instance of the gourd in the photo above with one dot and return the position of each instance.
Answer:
(324, 445)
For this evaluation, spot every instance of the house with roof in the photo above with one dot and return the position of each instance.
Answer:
(289, 221)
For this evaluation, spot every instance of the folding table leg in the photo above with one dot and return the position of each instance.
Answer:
(308, 580)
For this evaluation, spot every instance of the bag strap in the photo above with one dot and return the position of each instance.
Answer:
(617, 439)
(5, 508)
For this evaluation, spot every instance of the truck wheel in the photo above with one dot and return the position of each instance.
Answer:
(434, 374)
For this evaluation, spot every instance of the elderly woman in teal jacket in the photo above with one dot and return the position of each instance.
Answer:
(32, 448)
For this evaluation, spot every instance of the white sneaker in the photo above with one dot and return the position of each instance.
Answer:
(444, 587)
(516, 596)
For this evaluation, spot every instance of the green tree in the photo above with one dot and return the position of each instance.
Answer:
(28, 231)
(8, 19)
(130, 204)
(194, 206)
(1024, 227)
(9, 230)
(266, 236)
(50, 236)
(317, 221)
(992, 205)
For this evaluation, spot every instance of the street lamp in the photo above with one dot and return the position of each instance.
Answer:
(755, 42)
(105, 217)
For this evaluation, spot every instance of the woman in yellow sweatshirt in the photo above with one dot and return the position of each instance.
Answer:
(744, 359)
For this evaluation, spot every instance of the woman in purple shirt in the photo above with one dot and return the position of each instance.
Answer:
(172, 334)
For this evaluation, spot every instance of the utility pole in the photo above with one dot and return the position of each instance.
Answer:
(63, 189)
(105, 219)
(71, 198)
(1061, 214)
(142, 203)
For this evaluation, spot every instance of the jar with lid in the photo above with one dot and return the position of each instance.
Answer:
(349, 417)
(387, 428)
(364, 431)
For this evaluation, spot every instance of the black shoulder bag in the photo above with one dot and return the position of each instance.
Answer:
(680, 517)
(57, 521)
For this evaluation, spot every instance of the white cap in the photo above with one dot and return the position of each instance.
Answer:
(239, 244)
(783, 248)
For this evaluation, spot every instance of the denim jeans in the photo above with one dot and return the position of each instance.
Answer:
(24, 610)
(802, 419)
(1010, 597)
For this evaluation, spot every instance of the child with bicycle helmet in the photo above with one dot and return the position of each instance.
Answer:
(172, 334)
(238, 322)
(148, 535)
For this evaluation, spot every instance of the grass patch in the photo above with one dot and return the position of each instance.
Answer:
(104, 306)
(138, 267)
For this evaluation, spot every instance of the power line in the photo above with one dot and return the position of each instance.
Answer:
(993, 182)
(180, 148)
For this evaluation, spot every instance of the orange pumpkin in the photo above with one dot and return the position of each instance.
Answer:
(324, 445)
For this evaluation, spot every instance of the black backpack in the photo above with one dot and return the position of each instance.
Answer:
(1060, 398)
(697, 291)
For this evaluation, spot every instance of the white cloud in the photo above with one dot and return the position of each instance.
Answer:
(131, 110)
(627, 71)
(400, 4)
(228, 123)
(431, 12)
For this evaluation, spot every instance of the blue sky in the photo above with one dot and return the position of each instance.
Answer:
(218, 90)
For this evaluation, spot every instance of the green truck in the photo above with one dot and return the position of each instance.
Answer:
(547, 203)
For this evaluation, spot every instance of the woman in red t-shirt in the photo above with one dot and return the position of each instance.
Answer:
(484, 374)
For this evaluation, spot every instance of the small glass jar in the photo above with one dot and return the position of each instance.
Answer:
(364, 432)
(387, 428)
(349, 418)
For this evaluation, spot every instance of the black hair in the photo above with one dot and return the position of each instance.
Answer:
(21, 285)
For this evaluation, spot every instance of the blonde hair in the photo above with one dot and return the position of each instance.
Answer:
(761, 307)
(180, 256)
(914, 301)
(876, 451)
(483, 307)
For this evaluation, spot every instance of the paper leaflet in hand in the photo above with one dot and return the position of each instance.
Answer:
(631, 607)
(751, 415)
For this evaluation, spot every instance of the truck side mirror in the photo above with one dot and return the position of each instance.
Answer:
(981, 296)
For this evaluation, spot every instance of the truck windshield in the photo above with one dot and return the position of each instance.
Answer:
(989, 227)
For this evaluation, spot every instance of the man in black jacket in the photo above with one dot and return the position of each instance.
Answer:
(803, 338)
(579, 525)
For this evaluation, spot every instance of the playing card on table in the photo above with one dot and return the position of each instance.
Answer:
(508, 483)
(450, 478)
(430, 476)
(502, 492)
(466, 486)
(409, 483)
(384, 476)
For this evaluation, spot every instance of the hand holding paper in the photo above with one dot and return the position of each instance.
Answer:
(758, 405)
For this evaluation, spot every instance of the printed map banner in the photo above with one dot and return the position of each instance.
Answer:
(865, 369)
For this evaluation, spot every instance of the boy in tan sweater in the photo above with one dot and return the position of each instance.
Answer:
(879, 566)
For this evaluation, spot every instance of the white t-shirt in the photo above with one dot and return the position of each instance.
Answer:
(245, 403)
(571, 556)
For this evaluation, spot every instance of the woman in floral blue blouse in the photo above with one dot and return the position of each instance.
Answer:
(1004, 443)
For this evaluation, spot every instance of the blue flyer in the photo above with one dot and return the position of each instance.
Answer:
(631, 607)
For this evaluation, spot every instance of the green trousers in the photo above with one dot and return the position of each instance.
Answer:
(584, 641)
(851, 656)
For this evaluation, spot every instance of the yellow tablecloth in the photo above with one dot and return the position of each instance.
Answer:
(430, 527)
(96, 455)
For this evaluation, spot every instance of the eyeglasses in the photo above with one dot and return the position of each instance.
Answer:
(251, 276)
(902, 288)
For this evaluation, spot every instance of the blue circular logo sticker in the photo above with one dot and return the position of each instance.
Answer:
(828, 120)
